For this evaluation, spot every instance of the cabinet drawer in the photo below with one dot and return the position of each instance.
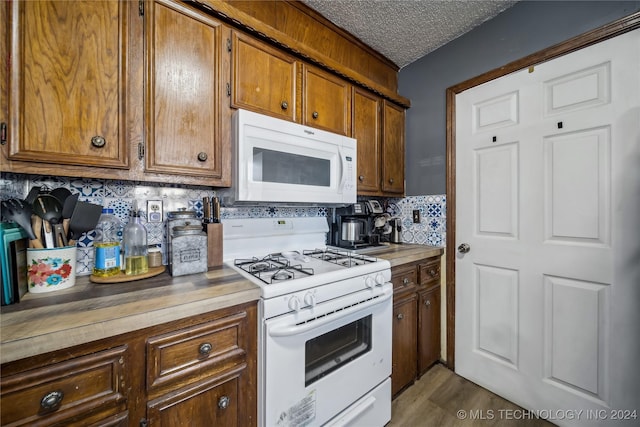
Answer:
(404, 277)
(62, 392)
(430, 272)
(196, 352)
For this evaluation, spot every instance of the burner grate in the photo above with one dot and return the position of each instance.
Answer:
(272, 268)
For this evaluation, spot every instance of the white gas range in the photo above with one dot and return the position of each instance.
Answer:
(325, 324)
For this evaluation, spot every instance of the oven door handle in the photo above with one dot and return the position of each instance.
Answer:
(285, 330)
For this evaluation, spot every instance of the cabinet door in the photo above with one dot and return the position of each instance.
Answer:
(404, 346)
(214, 403)
(67, 82)
(184, 85)
(366, 130)
(393, 149)
(264, 78)
(326, 101)
(428, 328)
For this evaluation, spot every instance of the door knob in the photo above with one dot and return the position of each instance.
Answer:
(464, 248)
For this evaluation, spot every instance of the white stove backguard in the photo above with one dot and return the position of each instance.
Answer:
(249, 237)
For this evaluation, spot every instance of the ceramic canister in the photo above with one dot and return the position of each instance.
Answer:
(51, 269)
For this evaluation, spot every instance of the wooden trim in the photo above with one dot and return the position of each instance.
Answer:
(239, 19)
(613, 29)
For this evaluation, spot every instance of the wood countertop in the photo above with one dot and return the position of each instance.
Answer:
(398, 254)
(45, 322)
(88, 311)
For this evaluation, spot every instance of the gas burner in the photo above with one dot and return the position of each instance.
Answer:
(342, 258)
(282, 275)
(260, 266)
(272, 268)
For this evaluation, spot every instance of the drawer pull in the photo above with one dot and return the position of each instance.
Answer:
(315, 114)
(405, 281)
(400, 316)
(51, 400)
(432, 273)
(223, 402)
(427, 303)
(98, 141)
(284, 105)
(202, 156)
(205, 348)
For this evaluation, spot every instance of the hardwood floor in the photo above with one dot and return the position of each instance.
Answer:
(442, 399)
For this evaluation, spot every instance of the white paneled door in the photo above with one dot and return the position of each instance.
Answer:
(548, 231)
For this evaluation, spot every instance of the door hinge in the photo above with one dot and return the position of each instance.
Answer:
(141, 7)
(140, 151)
(3, 133)
(228, 45)
(228, 89)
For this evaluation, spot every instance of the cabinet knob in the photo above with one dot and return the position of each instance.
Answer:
(432, 273)
(405, 281)
(314, 115)
(205, 348)
(98, 141)
(361, 177)
(202, 156)
(400, 316)
(427, 303)
(390, 180)
(51, 400)
(284, 105)
(223, 402)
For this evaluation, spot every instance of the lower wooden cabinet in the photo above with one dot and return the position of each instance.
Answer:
(197, 371)
(416, 321)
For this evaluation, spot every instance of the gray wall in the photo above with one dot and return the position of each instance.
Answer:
(525, 28)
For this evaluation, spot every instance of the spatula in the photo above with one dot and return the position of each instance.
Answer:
(19, 212)
(84, 218)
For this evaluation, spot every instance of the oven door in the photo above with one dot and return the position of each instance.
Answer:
(321, 360)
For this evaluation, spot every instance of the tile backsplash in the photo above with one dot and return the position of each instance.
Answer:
(121, 196)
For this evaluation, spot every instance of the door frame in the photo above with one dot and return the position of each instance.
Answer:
(615, 28)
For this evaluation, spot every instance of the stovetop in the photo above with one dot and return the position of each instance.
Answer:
(269, 253)
(293, 265)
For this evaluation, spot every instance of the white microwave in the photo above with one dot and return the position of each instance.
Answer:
(280, 161)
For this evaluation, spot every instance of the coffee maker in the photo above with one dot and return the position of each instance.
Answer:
(353, 228)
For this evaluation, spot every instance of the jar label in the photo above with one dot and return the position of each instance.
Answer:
(190, 255)
(107, 257)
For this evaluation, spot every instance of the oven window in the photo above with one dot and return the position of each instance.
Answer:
(288, 168)
(328, 352)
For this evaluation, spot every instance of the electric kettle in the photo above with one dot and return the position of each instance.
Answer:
(396, 230)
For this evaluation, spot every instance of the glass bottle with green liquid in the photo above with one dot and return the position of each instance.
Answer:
(135, 246)
(106, 244)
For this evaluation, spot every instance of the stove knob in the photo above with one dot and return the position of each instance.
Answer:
(294, 303)
(310, 299)
(369, 282)
(379, 279)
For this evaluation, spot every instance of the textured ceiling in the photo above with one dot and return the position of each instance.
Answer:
(406, 30)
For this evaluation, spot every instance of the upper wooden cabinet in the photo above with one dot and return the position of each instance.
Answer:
(67, 83)
(183, 91)
(264, 79)
(392, 149)
(366, 130)
(326, 101)
(378, 126)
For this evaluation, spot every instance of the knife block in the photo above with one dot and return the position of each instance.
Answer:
(214, 245)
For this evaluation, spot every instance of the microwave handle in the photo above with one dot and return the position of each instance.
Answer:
(343, 169)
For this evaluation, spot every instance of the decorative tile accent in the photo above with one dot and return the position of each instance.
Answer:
(432, 229)
(122, 195)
